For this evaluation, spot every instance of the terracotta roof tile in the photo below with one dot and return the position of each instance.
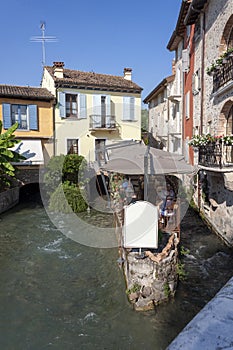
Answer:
(25, 92)
(91, 80)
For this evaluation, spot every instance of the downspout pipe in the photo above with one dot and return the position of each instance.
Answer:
(202, 71)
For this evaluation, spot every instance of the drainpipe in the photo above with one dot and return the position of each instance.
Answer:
(202, 72)
(54, 128)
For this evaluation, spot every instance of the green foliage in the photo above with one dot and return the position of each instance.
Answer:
(7, 156)
(62, 178)
(73, 168)
(181, 271)
(53, 175)
(136, 288)
(73, 201)
(167, 290)
(184, 251)
(144, 119)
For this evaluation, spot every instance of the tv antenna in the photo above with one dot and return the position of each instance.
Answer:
(43, 39)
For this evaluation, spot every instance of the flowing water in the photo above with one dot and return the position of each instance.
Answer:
(58, 294)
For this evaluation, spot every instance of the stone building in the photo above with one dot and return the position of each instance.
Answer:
(213, 110)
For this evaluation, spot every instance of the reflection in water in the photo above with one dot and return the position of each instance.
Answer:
(58, 294)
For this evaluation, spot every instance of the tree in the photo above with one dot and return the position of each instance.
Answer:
(144, 120)
(63, 177)
(7, 156)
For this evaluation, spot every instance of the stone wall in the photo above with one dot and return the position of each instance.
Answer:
(216, 204)
(153, 278)
(8, 199)
(27, 175)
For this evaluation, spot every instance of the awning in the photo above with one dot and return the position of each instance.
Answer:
(31, 150)
(133, 159)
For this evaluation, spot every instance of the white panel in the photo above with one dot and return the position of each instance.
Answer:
(31, 150)
(141, 225)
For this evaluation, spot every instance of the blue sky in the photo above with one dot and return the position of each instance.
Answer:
(101, 36)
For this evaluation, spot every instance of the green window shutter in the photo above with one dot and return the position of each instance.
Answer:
(6, 110)
(33, 120)
(82, 106)
(62, 104)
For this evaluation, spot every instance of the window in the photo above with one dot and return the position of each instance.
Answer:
(24, 115)
(99, 149)
(185, 60)
(230, 39)
(196, 83)
(71, 105)
(197, 29)
(229, 125)
(128, 108)
(72, 146)
(188, 31)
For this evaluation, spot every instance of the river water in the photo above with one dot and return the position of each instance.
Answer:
(58, 294)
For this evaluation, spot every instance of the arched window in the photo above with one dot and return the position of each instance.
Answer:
(229, 125)
(230, 39)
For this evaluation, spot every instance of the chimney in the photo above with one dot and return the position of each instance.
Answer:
(128, 73)
(58, 69)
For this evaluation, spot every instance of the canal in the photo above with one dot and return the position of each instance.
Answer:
(58, 294)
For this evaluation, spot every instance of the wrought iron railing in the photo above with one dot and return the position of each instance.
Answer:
(216, 154)
(102, 122)
(223, 74)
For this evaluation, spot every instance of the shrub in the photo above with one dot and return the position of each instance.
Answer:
(74, 201)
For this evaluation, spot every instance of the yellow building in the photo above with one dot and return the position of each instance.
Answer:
(33, 109)
(92, 109)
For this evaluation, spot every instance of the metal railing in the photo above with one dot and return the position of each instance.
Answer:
(102, 122)
(216, 154)
(223, 74)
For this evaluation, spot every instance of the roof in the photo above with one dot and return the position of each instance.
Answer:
(91, 80)
(159, 88)
(131, 160)
(25, 92)
(180, 26)
(194, 10)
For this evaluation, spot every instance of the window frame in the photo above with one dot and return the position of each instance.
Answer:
(76, 145)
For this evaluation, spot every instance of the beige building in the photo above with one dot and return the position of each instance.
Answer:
(92, 109)
(32, 108)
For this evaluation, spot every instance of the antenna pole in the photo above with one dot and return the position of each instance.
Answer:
(43, 39)
(43, 42)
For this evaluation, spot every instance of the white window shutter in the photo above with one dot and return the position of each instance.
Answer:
(82, 106)
(62, 104)
(96, 117)
(185, 60)
(187, 105)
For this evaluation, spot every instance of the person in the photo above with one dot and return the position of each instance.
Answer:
(141, 187)
(167, 203)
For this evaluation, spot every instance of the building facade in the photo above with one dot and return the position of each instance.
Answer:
(33, 109)
(92, 109)
(213, 107)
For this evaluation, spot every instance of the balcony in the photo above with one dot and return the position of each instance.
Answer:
(223, 74)
(216, 155)
(102, 122)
